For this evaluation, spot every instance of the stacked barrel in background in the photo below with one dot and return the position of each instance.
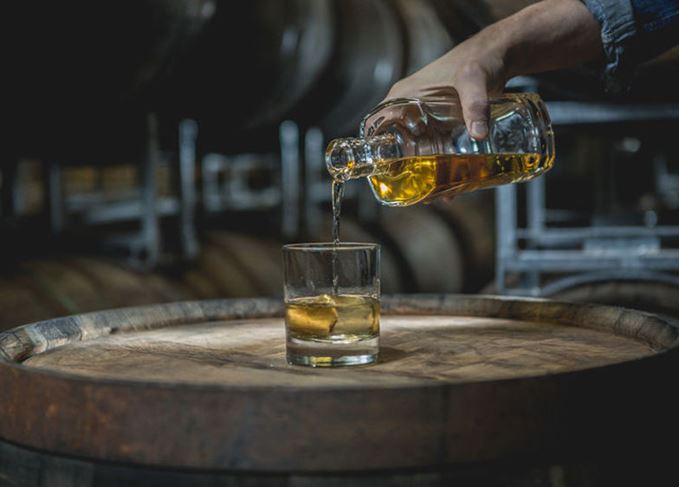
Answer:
(87, 77)
(239, 69)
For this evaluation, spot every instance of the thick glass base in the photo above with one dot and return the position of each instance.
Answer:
(329, 354)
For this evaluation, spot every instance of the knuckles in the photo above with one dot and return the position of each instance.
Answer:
(470, 72)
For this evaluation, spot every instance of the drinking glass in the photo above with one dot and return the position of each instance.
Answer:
(332, 307)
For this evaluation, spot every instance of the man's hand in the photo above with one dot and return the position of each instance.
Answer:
(549, 35)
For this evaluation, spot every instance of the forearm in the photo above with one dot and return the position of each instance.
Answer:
(549, 35)
(552, 34)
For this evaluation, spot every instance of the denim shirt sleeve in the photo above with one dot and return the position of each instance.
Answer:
(633, 31)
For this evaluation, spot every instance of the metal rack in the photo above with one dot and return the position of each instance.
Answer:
(142, 205)
(580, 255)
(299, 190)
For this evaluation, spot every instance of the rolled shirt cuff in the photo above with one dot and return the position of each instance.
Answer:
(618, 29)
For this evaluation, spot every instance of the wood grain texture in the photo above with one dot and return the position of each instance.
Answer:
(654, 297)
(463, 379)
(229, 265)
(427, 244)
(415, 350)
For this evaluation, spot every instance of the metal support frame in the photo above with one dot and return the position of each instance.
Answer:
(580, 113)
(313, 179)
(147, 253)
(188, 133)
(55, 197)
(505, 225)
(142, 204)
(290, 178)
(608, 252)
(226, 184)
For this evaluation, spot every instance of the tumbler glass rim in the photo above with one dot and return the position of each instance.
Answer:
(329, 246)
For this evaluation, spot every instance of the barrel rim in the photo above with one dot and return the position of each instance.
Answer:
(269, 429)
(411, 303)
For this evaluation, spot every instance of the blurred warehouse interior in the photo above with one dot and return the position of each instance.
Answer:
(164, 150)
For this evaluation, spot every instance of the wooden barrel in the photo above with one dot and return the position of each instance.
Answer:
(393, 268)
(229, 265)
(654, 297)
(288, 46)
(427, 245)
(471, 217)
(378, 43)
(368, 60)
(38, 289)
(426, 36)
(320, 63)
(465, 385)
(238, 265)
(21, 302)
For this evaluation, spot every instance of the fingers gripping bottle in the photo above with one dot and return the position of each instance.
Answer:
(415, 150)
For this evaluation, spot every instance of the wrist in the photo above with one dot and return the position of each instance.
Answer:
(494, 45)
(550, 34)
(506, 41)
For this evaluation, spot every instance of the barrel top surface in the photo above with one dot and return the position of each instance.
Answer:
(461, 378)
(415, 349)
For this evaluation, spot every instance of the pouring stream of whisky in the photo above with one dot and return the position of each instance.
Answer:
(337, 194)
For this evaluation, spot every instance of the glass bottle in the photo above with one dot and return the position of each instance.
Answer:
(415, 150)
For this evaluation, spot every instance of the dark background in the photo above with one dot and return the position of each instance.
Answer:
(97, 210)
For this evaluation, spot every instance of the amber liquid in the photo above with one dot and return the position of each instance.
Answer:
(334, 318)
(411, 180)
(337, 195)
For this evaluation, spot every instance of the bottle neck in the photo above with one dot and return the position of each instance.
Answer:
(353, 157)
